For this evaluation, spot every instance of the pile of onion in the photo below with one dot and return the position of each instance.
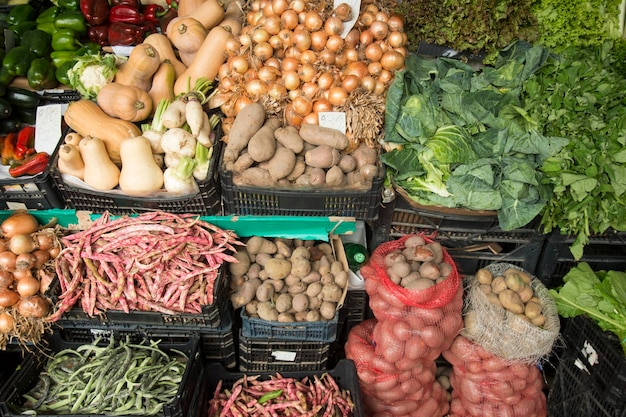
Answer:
(291, 57)
(26, 270)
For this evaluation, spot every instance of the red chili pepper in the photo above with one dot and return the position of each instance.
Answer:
(123, 34)
(8, 148)
(151, 12)
(99, 34)
(135, 4)
(125, 14)
(32, 165)
(96, 12)
(25, 141)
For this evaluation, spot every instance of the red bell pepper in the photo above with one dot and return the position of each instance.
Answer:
(99, 34)
(96, 12)
(151, 12)
(125, 14)
(146, 28)
(32, 165)
(135, 4)
(123, 34)
(25, 143)
(8, 148)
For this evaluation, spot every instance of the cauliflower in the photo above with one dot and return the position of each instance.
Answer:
(92, 71)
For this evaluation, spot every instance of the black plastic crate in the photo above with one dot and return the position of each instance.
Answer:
(262, 354)
(356, 307)
(247, 200)
(601, 355)
(315, 331)
(184, 404)
(218, 344)
(473, 239)
(344, 373)
(206, 202)
(38, 192)
(210, 317)
(10, 360)
(606, 251)
(573, 394)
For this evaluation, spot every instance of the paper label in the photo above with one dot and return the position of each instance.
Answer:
(283, 355)
(333, 119)
(48, 128)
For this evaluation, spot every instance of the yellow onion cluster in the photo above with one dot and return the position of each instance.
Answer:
(291, 56)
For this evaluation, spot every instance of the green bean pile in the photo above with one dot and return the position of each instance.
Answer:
(116, 379)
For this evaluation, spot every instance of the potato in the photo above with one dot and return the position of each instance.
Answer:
(314, 289)
(393, 257)
(328, 310)
(324, 136)
(237, 281)
(420, 284)
(277, 268)
(283, 248)
(245, 125)
(436, 248)
(255, 176)
(539, 321)
(289, 137)
(262, 258)
(498, 284)
(278, 284)
(336, 267)
(286, 318)
(317, 176)
(242, 264)
(303, 180)
(511, 301)
(259, 244)
(514, 282)
(485, 288)
(332, 292)
(297, 170)
(483, 276)
(347, 163)
(283, 303)
(326, 249)
(267, 311)
(245, 294)
(522, 274)
(369, 172)
(400, 269)
(493, 299)
(418, 253)
(262, 144)
(327, 278)
(265, 291)
(297, 288)
(335, 177)
(525, 294)
(253, 271)
(413, 275)
(430, 270)
(322, 157)
(291, 280)
(445, 269)
(300, 267)
(341, 279)
(300, 302)
(311, 277)
(532, 310)
(282, 163)
(242, 163)
(312, 315)
(251, 308)
(413, 241)
(364, 155)
(394, 276)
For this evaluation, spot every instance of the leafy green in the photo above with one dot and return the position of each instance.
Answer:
(563, 23)
(579, 94)
(600, 295)
(466, 139)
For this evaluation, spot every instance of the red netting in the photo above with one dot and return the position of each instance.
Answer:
(434, 297)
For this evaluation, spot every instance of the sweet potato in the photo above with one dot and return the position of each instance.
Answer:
(282, 163)
(320, 135)
(289, 137)
(248, 121)
(322, 157)
(242, 163)
(262, 144)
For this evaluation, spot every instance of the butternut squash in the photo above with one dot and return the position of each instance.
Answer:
(87, 119)
(207, 60)
(210, 13)
(164, 47)
(163, 84)
(187, 7)
(186, 34)
(70, 162)
(142, 63)
(187, 56)
(140, 175)
(100, 172)
(125, 102)
(72, 138)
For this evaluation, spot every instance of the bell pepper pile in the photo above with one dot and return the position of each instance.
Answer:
(19, 153)
(124, 22)
(39, 40)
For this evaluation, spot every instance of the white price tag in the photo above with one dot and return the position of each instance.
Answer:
(333, 119)
(122, 50)
(356, 7)
(283, 355)
(48, 128)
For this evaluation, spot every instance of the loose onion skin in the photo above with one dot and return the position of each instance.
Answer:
(34, 306)
(20, 222)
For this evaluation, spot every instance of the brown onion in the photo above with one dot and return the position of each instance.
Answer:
(379, 29)
(256, 88)
(350, 83)
(358, 68)
(343, 11)
(396, 39)
(333, 26)
(301, 39)
(392, 60)
(8, 297)
(311, 119)
(279, 6)
(291, 80)
(396, 23)
(369, 83)
(373, 51)
(374, 68)
(276, 91)
(302, 106)
(327, 56)
(308, 57)
(322, 105)
(334, 43)
(310, 89)
(34, 306)
(20, 222)
(291, 117)
(307, 73)
(272, 25)
(25, 261)
(41, 257)
(297, 5)
(54, 252)
(318, 40)
(7, 260)
(367, 18)
(337, 96)
(289, 19)
(263, 50)
(366, 37)
(238, 64)
(325, 81)
(27, 286)
(313, 21)
(352, 39)
(7, 323)
(6, 279)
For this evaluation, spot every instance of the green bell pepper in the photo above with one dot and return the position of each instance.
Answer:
(69, 4)
(58, 58)
(61, 73)
(45, 21)
(21, 13)
(5, 77)
(38, 42)
(18, 60)
(65, 40)
(22, 27)
(71, 19)
(41, 74)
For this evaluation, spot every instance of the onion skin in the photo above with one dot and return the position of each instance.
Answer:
(20, 222)
(34, 306)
